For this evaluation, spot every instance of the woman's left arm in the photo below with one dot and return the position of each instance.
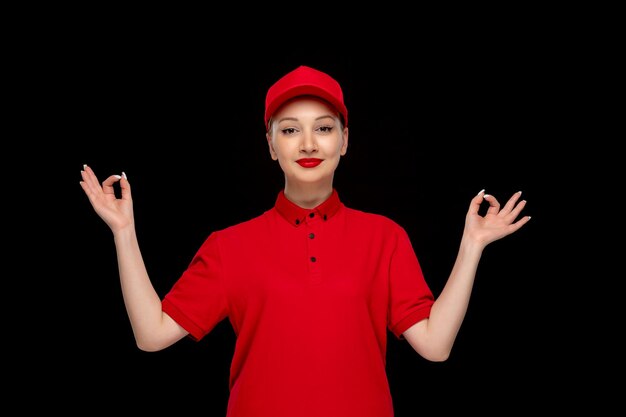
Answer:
(433, 337)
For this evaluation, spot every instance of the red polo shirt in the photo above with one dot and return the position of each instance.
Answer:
(310, 295)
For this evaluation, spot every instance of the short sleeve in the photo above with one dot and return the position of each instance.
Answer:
(410, 297)
(197, 300)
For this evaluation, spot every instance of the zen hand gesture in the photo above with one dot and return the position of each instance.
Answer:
(497, 222)
(117, 213)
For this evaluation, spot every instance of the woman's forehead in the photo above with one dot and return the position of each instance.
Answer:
(305, 106)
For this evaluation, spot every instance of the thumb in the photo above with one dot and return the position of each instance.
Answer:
(125, 185)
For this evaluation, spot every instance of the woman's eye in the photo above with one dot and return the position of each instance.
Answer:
(288, 131)
(325, 129)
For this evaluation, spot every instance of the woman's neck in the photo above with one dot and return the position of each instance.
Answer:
(308, 196)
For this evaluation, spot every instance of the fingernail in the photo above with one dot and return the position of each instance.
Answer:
(84, 166)
(118, 176)
(487, 195)
(519, 192)
(124, 175)
(481, 191)
(528, 217)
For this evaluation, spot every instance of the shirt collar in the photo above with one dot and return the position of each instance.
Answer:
(296, 215)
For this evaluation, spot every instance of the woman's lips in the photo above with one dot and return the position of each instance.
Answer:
(309, 162)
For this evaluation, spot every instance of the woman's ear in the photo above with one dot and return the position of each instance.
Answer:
(344, 145)
(271, 146)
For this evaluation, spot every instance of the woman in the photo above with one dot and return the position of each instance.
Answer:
(310, 286)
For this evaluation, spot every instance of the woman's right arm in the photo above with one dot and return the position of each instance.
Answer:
(153, 329)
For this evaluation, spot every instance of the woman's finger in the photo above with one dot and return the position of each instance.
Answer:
(92, 181)
(90, 176)
(518, 224)
(107, 185)
(475, 203)
(125, 187)
(494, 206)
(511, 203)
(517, 210)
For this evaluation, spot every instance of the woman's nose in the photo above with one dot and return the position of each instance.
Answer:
(309, 144)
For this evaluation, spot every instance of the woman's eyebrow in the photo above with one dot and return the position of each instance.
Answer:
(295, 119)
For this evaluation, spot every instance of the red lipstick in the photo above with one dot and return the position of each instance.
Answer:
(309, 162)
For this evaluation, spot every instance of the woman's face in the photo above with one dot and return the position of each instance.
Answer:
(307, 139)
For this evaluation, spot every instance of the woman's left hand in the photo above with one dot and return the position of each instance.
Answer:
(497, 222)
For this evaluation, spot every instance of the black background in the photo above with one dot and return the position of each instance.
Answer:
(429, 128)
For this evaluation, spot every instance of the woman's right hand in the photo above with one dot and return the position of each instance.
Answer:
(117, 213)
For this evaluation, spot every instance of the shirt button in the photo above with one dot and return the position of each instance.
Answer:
(313, 259)
(311, 215)
(311, 235)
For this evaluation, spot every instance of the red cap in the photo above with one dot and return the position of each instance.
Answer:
(305, 81)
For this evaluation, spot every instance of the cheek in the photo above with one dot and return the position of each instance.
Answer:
(282, 150)
(278, 149)
(334, 147)
(287, 145)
